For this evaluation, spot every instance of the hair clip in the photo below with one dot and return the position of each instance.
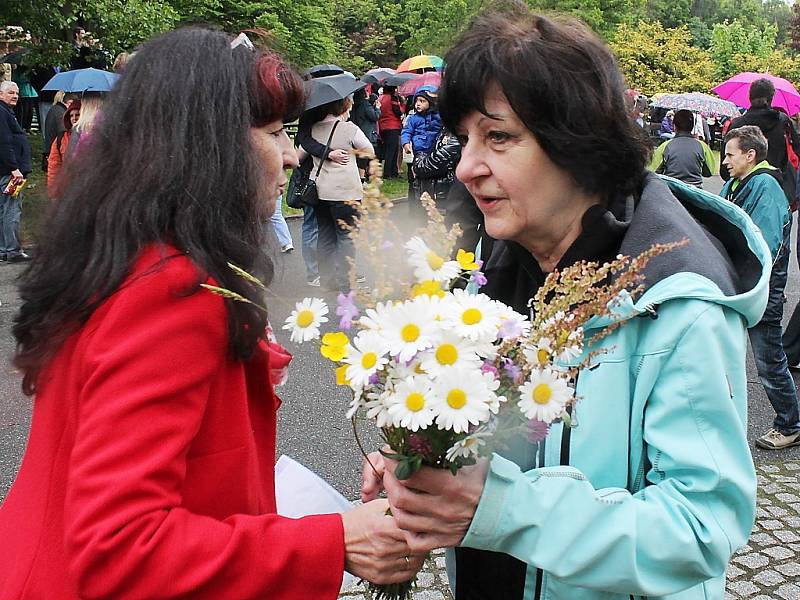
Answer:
(242, 40)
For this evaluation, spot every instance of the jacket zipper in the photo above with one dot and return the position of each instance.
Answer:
(566, 434)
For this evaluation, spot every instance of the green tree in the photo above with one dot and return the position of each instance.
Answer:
(737, 47)
(119, 25)
(655, 59)
(601, 15)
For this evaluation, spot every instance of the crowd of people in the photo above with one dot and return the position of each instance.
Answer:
(149, 467)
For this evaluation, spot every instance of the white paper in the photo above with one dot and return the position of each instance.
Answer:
(300, 492)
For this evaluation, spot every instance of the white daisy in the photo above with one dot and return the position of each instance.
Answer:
(427, 264)
(307, 316)
(460, 399)
(375, 317)
(377, 409)
(544, 395)
(492, 400)
(540, 354)
(366, 357)
(512, 323)
(398, 370)
(449, 350)
(356, 403)
(469, 447)
(473, 316)
(570, 346)
(407, 328)
(410, 403)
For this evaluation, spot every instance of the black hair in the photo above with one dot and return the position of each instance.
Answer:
(564, 85)
(761, 93)
(683, 121)
(169, 163)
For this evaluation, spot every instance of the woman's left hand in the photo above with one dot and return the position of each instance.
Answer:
(434, 507)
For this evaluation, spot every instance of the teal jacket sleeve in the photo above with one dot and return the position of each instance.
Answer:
(681, 528)
(767, 206)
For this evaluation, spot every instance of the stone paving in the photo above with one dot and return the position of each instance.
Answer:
(767, 568)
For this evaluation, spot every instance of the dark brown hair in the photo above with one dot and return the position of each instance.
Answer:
(562, 82)
(174, 138)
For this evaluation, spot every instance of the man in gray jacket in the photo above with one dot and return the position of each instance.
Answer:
(684, 157)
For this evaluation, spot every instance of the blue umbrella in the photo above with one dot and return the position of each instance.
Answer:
(82, 80)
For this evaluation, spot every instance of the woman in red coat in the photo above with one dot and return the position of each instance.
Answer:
(149, 467)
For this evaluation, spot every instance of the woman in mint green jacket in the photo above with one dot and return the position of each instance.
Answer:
(653, 489)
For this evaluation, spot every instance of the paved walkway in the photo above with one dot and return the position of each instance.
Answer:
(767, 568)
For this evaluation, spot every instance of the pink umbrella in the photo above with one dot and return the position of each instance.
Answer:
(737, 89)
(410, 87)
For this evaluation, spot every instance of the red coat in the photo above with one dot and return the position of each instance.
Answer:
(388, 120)
(149, 471)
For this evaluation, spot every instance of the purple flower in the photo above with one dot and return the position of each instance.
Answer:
(347, 309)
(478, 278)
(509, 329)
(419, 445)
(512, 370)
(374, 379)
(488, 367)
(537, 430)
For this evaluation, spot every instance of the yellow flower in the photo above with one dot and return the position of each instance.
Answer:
(429, 287)
(466, 260)
(334, 346)
(341, 378)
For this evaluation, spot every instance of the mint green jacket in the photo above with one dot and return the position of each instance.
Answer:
(659, 489)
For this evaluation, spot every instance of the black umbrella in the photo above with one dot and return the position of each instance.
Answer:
(323, 71)
(399, 79)
(377, 76)
(322, 90)
(15, 57)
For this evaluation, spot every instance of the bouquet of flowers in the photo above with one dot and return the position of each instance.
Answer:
(446, 373)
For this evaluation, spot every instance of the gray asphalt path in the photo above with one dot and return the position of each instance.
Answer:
(312, 427)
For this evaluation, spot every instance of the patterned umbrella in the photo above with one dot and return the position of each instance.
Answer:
(421, 63)
(737, 89)
(697, 102)
(409, 88)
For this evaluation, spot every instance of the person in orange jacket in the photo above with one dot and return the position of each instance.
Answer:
(58, 151)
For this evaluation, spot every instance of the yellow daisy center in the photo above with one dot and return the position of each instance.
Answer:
(435, 261)
(542, 355)
(415, 402)
(446, 354)
(368, 360)
(305, 318)
(471, 316)
(542, 393)
(410, 333)
(456, 398)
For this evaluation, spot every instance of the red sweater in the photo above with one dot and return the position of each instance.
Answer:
(149, 471)
(388, 120)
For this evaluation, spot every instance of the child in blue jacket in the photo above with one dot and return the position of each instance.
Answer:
(420, 130)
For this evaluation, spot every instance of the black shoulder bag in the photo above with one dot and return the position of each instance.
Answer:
(305, 192)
